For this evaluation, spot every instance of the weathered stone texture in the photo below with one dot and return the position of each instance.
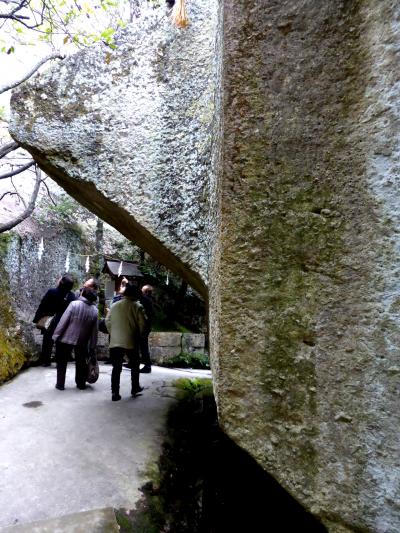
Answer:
(308, 338)
(304, 219)
(127, 133)
(166, 339)
(193, 342)
(165, 345)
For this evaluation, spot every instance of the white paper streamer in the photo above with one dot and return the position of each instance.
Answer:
(40, 250)
(167, 280)
(67, 263)
(87, 264)
(120, 269)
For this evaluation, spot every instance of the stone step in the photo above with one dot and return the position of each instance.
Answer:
(95, 521)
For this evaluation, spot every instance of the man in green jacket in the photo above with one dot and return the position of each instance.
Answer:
(125, 323)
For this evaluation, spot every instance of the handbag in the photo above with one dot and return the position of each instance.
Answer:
(44, 322)
(92, 369)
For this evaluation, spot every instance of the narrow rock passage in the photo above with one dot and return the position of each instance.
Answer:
(63, 452)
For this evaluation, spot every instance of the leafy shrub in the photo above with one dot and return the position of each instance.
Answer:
(194, 386)
(188, 360)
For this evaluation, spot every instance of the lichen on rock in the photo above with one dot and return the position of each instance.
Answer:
(13, 350)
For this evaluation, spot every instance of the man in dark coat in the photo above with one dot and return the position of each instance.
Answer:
(53, 303)
(146, 300)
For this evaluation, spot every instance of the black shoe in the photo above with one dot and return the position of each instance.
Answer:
(59, 387)
(136, 392)
(145, 370)
(46, 364)
(127, 365)
(115, 397)
(81, 387)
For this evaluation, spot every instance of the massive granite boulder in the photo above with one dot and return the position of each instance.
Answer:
(307, 288)
(128, 132)
(265, 166)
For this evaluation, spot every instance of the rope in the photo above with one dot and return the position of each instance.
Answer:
(179, 15)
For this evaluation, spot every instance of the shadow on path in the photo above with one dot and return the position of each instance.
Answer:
(207, 484)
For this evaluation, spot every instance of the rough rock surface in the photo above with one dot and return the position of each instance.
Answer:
(304, 280)
(307, 275)
(127, 133)
(166, 345)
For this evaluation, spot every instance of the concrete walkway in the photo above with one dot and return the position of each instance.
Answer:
(64, 452)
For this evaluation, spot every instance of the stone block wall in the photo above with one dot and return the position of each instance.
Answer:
(164, 345)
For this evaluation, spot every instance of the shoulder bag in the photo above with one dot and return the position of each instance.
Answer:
(92, 369)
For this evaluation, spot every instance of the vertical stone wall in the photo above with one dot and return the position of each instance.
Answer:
(24, 281)
(30, 278)
(305, 349)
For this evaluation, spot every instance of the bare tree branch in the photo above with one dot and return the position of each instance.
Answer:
(13, 14)
(8, 192)
(7, 87)
(17, 171)
(36, 24)
(20, 198)
(7, 148)
(29, 210)
(48, 192)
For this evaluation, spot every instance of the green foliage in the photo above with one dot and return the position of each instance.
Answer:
(61, 209)
(65, 22)
(5, 239)
(123, 521)
(182, 329)
(64, 208)
(188, 360)
(189, 387)
(12, 349)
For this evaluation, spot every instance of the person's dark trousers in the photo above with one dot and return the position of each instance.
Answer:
(47, 347)
(81, 355)
(117, 357)
(63, 354)
(144, 348)
(134, 362)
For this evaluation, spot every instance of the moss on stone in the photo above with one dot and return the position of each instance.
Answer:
(12, 348)
(12, 356)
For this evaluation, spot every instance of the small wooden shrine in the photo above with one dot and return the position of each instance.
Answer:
(117, 270)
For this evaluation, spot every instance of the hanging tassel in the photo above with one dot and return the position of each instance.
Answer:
(120, 269)
(179, 15)
(67, 263)
(40, 250)
(87, 264)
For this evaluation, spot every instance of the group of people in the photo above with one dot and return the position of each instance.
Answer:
(73, 326)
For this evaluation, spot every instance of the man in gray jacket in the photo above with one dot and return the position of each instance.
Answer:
(125, 322)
